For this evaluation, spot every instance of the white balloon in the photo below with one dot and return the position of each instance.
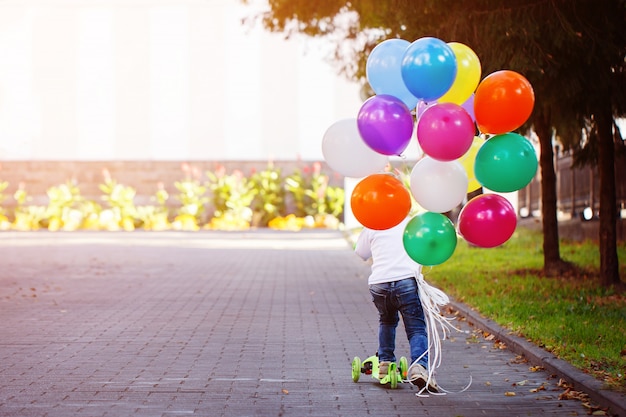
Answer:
(346, 153)
(438, 186)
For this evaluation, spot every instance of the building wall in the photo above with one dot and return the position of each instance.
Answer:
(165, 80)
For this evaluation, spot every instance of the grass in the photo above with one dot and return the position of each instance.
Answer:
(570, 315)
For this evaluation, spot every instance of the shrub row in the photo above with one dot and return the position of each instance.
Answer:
(216, 200)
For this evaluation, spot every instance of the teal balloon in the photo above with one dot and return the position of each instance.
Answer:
(429, 238)
(506, 163)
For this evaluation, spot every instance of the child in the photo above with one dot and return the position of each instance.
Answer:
(393, 284)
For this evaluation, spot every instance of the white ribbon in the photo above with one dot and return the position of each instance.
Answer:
(437, 326)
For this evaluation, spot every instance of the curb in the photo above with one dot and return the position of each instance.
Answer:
(580, 381)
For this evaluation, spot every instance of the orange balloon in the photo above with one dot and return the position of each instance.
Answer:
(380, 201)
(503, 102)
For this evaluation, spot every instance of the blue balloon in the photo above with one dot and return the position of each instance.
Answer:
(428, 68)
(383, 71)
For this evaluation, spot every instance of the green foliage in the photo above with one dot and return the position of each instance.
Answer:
(193, 198)
(155, 217)
(64, 207)
(312, 195)
(161, 196)
(296, 186)
(3, 186)
(570, 315)
(121, 200)
(238, 202)
(232, 194)
(119, 196)
(269, 199)
(27, 217)
(91, 212)
(334, 198)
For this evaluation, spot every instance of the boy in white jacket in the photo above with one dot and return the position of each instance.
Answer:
(393, 284)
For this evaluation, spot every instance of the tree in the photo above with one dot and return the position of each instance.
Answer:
(572, 52)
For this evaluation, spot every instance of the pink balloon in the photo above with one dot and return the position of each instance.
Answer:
(445, 131)
(487, 220)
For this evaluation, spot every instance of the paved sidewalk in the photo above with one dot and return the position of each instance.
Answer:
(236, 324)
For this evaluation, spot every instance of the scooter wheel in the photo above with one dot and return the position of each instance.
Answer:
(393, 376)
(404, 368)
(356, 368)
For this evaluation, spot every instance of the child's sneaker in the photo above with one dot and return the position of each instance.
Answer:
(383, 369)
(418, 375)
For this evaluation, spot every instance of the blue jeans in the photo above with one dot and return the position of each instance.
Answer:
(391, 298)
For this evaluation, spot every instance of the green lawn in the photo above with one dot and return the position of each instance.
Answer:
(569, 315)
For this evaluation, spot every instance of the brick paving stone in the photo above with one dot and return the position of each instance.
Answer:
(260, 323)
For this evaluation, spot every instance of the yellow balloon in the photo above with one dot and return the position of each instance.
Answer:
(468, 72)
(467, 161)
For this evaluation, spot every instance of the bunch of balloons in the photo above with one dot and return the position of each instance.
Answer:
(463, 126)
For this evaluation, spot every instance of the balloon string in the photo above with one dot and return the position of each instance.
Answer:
(437, 327)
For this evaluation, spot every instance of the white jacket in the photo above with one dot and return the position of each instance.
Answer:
(386, 248)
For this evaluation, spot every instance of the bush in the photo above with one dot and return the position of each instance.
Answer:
(224, 201)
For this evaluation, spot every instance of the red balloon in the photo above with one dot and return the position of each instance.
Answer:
(503, 102)
(380, 201)
(487, 220)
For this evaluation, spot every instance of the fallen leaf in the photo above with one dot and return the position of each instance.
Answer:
(519, 359)
(509, 394)
(571, 394)
(285, 391)
(499, 345)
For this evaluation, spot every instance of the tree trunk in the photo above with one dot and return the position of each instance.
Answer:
(552, 262)
(609, 263)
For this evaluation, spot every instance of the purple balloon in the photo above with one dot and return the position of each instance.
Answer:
(421, 107)
(469, 107)
(385, 124)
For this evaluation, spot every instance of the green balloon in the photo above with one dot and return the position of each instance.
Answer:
(505, 163)
(429, 238)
